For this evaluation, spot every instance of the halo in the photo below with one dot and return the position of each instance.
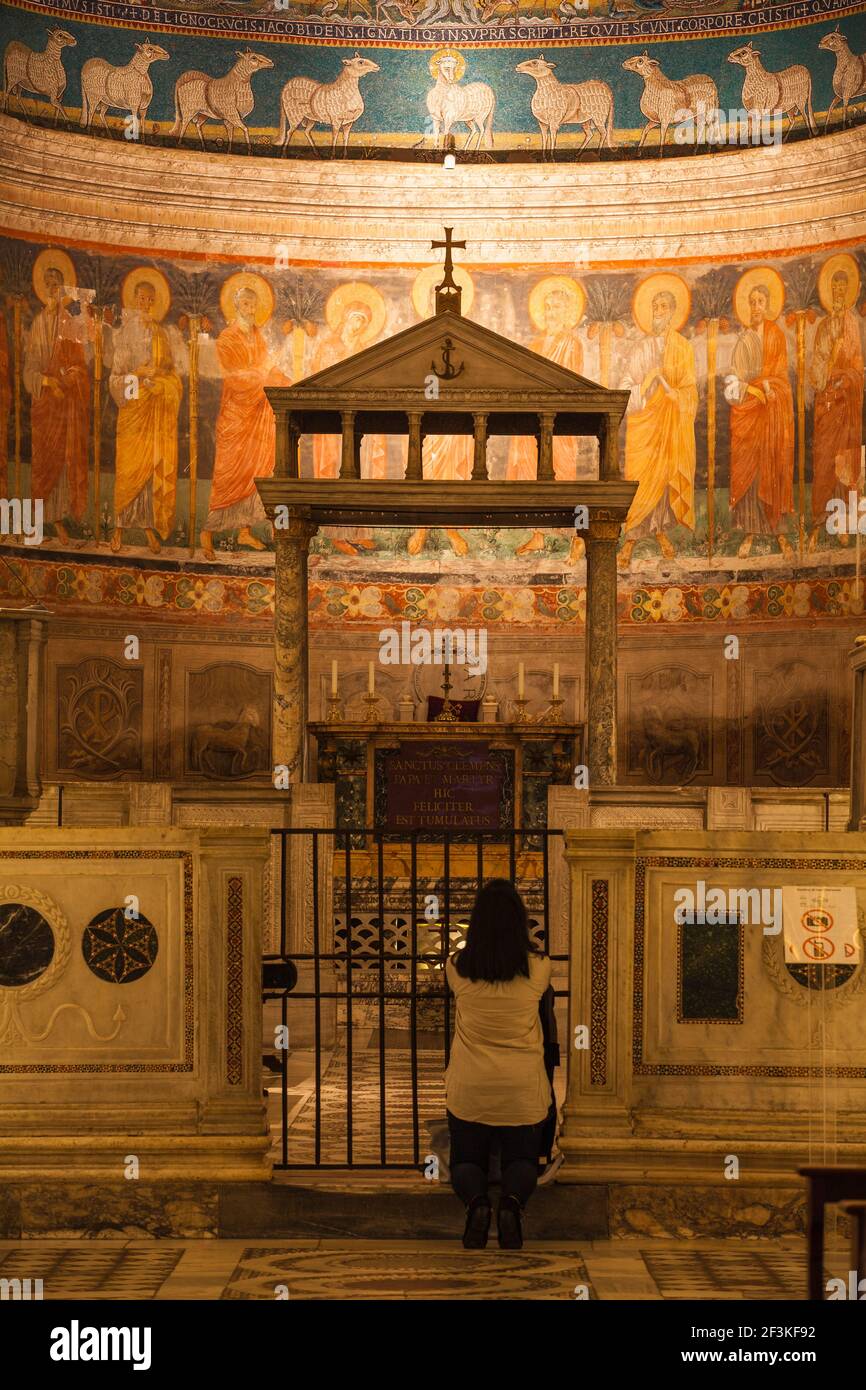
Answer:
(564, 284)
(850, 268)
(153, 277)
(430, 276)
(247, 280)
(642, 302)
(357, 292)
(759, 275)
(436, 58)
(52, 259)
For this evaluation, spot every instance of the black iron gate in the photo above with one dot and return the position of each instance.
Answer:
(362, 1005)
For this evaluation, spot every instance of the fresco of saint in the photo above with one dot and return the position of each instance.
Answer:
(759, 393)
(555, 307)
(57, 378)
(355, 315)
(836, 372)
(660, 451)
(147, 391)
(245, 428)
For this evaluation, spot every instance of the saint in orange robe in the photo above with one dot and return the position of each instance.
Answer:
(59, 418)
(245, 429)
(762, 441)
(837, 375)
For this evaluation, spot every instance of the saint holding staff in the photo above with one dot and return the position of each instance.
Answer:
(147, 390)
(57, 379)
(245, 428)
(837, 376)
(759, 393)
(660, 452)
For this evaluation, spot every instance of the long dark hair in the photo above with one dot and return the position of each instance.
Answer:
(497, 942)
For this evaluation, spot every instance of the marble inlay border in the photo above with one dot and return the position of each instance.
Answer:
(598, 985)
(186, 860)
(640, 1067)
(234, 979)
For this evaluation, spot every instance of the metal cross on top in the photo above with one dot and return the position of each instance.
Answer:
(448, 292)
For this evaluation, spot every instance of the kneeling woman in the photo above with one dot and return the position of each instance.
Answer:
(497, 1091)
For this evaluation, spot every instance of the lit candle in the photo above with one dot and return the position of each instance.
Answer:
(520, 681)
(371, 679)
(333, 679)
(556, 680)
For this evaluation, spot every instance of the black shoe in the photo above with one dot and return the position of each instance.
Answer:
(508, 1224)
(477, 1224)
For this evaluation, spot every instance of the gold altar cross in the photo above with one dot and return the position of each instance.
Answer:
(448, 292)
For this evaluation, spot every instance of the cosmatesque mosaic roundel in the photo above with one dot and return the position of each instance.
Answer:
(119, 948)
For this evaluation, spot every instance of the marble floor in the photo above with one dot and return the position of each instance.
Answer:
(344, 1270)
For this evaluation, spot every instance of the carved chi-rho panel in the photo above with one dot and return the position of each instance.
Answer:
(791, 735)
(99, 719)
(227, 722)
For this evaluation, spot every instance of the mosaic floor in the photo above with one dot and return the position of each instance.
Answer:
(414, 1270)
(365, 1091)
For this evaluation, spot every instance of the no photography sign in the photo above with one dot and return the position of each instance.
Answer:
(820, 925)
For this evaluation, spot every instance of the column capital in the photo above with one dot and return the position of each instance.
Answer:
(605, 524)
(298, 529)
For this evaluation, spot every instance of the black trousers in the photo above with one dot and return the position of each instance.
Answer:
(519, 1145)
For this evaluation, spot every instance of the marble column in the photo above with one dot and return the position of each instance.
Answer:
(857, 657)
(414, 466)
(349, 456)
(601, 539)
(609, 449)
(22, 645)
(291, 644)
(545, 447)
(286, 461)
(479, 456)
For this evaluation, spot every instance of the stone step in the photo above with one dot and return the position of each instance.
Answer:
(374, 1207)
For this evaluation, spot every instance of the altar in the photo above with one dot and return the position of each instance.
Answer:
(461, 778)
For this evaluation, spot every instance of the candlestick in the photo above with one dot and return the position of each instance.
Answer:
(371, 679)
(520, 715)
(556, 680)
(520, 681)
(553, 713)
(333, 679)
(371, 715)
(334, 711)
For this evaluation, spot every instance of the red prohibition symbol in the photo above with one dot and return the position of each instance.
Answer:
(818, 947)
(816, 919)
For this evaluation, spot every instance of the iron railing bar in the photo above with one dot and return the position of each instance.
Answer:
(283, 877)
(317, 1006)
(284, 1082)
(413, 1000)
(380, 869)
(348, 848)
(446, 869)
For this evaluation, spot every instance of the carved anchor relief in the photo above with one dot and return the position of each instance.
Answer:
(450, 370)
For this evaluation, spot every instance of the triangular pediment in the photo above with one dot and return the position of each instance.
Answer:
(482, 359)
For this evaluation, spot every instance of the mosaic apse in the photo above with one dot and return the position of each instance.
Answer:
(492, 79)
